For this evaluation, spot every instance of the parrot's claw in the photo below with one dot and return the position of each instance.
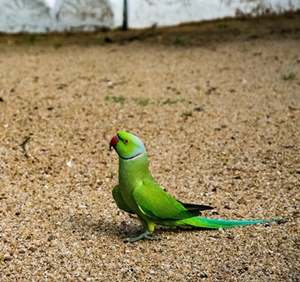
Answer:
(145, 235)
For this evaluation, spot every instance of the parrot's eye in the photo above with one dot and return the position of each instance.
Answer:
(126, 141)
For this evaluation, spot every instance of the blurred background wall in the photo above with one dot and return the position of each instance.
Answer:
(88, 15)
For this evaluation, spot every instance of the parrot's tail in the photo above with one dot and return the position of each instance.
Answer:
(210, 223)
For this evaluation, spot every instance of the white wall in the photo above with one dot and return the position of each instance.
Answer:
(145, 13)
(61, 15)
(88, 15)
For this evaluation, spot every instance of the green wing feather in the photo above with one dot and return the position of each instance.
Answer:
(196, 207)
(154, 202)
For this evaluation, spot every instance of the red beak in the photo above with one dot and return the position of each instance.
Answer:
(113, 142)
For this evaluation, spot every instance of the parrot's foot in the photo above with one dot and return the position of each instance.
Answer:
(144, 235)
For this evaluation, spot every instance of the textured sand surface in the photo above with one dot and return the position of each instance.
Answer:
(218, 108)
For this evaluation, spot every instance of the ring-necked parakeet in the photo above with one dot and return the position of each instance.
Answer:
(138, 193)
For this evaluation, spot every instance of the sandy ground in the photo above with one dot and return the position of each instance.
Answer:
(218, 107)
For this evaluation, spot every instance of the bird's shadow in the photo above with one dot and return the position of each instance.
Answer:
(130, 226)
(101, 226)
(86, 224)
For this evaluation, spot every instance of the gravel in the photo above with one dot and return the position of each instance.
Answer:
(217, 105)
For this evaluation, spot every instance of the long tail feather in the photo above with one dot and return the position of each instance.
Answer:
(211, 223)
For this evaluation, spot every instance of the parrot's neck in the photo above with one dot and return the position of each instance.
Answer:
(136, 157)
(133, 171)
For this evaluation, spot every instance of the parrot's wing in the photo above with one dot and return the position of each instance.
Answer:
(154, 202)
(119, 200)
(195, 207)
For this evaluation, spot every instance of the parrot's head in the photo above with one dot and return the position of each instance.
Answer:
(127, 145)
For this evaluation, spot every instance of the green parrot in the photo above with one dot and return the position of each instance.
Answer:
(138, 193)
